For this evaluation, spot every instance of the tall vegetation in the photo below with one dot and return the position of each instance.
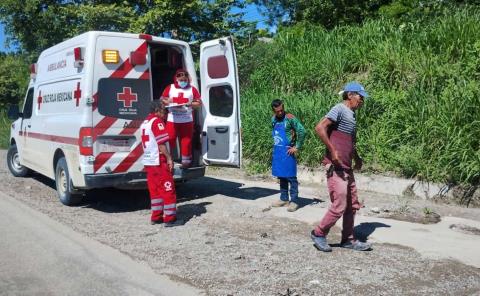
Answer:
(423, 118)
(34, 25)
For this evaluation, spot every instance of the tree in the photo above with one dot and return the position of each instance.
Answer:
(34, 25)
(332, 13)
(13, 79)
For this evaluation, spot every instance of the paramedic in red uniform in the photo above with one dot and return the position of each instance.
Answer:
(180, 97)
(159, 166)
(337, 130)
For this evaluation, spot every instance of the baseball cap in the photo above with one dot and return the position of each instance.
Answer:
(356, 87)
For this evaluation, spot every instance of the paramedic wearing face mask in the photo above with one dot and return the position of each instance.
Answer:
(180, 97)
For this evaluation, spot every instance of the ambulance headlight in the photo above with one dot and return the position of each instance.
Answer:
(110, 56)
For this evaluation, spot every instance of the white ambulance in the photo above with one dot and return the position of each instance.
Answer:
(88, 96)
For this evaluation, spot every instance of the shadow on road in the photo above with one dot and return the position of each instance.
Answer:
(111, 200)
(363, 230)
(188, 211)
(206, 186)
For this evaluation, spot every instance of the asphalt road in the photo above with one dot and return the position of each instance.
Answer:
(39, 256)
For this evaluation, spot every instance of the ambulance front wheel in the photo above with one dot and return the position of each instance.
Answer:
(13, 162)
(64, 185)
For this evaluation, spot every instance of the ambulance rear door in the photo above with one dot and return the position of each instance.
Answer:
(221, 141)
(121, 88)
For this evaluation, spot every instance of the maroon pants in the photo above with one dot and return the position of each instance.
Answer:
(162, 193)
(184, 131)
(344, 198)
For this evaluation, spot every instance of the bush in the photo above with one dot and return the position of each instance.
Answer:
(423, 117)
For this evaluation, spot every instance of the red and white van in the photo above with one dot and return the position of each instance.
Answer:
(88, 96)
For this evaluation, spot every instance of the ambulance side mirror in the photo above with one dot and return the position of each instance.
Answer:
(14, 112)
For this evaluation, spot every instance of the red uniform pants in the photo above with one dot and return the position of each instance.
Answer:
(344, 198)
(162, 193)
(184, 131)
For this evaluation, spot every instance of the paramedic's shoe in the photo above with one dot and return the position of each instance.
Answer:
(356, 245)
(320, 242)
(279, 203)
(176, 222)
(292, 207)
(153, 222)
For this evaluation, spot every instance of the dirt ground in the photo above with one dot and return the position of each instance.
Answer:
(231, 247)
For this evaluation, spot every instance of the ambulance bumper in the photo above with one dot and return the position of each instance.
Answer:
(138, 179)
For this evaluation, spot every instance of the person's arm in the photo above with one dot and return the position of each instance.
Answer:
(163, 149)
(161, 137)
(197, 102)
(321, 129)
(300, 134)
(165, 96)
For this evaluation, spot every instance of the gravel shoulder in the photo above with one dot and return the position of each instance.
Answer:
(230, 246)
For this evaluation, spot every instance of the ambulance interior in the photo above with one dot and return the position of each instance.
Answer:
(165, 60)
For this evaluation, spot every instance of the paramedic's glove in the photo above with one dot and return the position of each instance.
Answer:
(292, 151)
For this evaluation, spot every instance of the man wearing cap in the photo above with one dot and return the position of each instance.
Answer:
(288, 136)
(337, 130)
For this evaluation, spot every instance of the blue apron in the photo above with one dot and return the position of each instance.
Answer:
(283, 165)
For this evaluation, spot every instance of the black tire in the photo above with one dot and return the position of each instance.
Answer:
(13, 162)
(64, 186)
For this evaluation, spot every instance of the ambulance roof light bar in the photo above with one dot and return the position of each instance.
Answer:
(145, 36)
(33, 71)
(77, 54)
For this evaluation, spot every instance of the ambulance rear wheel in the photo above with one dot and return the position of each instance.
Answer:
(13, 162)
(64, 185)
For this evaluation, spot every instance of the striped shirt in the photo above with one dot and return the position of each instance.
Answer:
(344, 119)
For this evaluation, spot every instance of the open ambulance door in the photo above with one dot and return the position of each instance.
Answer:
(221, 142)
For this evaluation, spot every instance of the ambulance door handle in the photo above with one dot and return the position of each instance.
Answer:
(221, 130)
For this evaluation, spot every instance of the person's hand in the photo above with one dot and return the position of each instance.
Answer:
(292, 151)
(358, 163)
(166, 101)
(336, 159)
(170, 164)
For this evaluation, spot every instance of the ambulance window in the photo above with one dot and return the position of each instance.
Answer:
(221, 101)
(27, 107)
(217, 67)
(125, 98)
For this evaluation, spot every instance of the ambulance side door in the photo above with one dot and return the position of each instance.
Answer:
(24, 145)
(221, 139)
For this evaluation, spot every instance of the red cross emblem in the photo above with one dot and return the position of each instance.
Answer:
(127, 97)
(145, 138)
(39, 99)
(180, 99)
(77, 94)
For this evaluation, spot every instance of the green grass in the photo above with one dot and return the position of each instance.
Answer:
(423, 119)
(5, 124)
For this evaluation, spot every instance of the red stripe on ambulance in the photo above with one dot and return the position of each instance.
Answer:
(131, 158)
(101, 159)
